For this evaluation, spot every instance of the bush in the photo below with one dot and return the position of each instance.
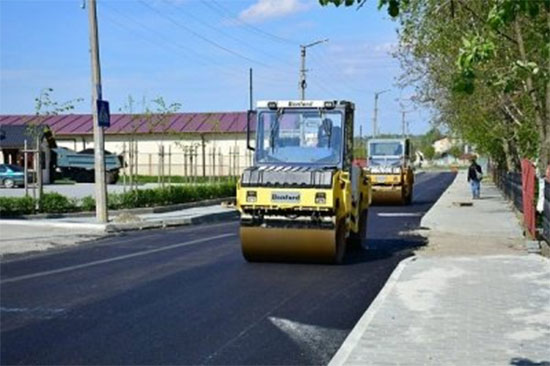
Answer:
(14, 206)
(57, 203)
(171, 195)
(87, 203)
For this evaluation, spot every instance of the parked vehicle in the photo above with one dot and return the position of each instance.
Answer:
(79, 166)
(12, 175)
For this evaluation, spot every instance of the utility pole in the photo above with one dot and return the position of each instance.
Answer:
(99, 140)
(375, 112)
(303, 70)
(404, 123)
(251, 101)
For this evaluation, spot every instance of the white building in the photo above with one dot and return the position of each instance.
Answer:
(194, 144)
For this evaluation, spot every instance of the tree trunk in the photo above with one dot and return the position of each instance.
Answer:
(542, 118)
(544, 157)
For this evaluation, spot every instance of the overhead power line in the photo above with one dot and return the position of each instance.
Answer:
(223, 11)
(200, 36)
(227, 34)
(151, 35)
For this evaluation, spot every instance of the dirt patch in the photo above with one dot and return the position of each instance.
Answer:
(448, 244)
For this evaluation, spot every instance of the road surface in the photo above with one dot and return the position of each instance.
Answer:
(186, 296)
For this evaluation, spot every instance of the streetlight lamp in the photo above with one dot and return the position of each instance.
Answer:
(303, 70)
(375, 112)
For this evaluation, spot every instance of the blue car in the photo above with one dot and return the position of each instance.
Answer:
(11, 175)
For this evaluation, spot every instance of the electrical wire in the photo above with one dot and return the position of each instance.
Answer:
(200, 36)
(223, 11)
(228, 35)
(184, 51)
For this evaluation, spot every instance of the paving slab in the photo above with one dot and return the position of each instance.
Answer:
(488, 226)
(472, 296)
(457, 311)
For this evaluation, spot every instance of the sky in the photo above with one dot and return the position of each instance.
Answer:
(199, 52)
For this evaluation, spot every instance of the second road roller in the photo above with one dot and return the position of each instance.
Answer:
(302, 199)
(390, 172)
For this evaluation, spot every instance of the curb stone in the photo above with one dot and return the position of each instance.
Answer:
(353, 338)
(141, 225)
(135, 211)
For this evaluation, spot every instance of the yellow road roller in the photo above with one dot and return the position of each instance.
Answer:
(302, 200)
(389, 171)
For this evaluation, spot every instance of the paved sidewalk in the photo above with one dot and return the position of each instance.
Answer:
(19, 236)
(471, 297)
(488, 226)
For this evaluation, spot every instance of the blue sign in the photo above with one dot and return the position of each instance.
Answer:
(103, 115)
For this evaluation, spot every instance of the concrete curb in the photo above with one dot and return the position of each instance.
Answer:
(61, 225)
(120, 227)
(135, 211)
(143, 225)
(353, 338)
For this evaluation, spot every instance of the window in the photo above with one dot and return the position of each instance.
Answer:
(15, 168)
(299, 137)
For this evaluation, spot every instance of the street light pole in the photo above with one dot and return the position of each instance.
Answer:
(375, 112)
(404, 123)
(250, 95)
(303, 70)
(99, 140)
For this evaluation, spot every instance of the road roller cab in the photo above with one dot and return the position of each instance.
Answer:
(390, 171)
(302, 200)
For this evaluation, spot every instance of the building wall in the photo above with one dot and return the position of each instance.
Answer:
(225, 154)
(443, 145)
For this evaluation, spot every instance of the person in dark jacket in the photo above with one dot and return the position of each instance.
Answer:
(474, 178)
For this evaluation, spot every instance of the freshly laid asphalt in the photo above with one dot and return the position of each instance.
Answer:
(186, 296)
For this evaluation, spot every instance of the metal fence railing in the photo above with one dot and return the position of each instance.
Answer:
(546, 213)
(510, 184)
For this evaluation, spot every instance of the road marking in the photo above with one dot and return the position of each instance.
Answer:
(111, 239)
(400, 214)
(33, 313)
(114, 259)
(317, 342)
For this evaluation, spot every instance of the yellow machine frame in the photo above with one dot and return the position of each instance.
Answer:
(315, 229)
(393, 187)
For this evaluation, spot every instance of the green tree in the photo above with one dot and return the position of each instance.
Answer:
(484, 68)
(455, 151)
(429, 152)
(44, 107)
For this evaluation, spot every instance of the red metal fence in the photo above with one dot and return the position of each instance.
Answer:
(528, 184)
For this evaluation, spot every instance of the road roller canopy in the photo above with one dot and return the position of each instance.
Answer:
(301, 132)
(388, 152)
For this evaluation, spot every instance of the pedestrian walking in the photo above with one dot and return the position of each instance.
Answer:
(475, 175)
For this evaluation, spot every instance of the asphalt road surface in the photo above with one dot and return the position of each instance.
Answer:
(186, 296)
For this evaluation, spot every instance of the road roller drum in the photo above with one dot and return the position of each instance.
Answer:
(390, 196)
(293, 244)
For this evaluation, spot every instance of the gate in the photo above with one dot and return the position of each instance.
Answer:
(528, 185)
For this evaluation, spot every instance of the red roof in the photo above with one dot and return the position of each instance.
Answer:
(81, 124)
